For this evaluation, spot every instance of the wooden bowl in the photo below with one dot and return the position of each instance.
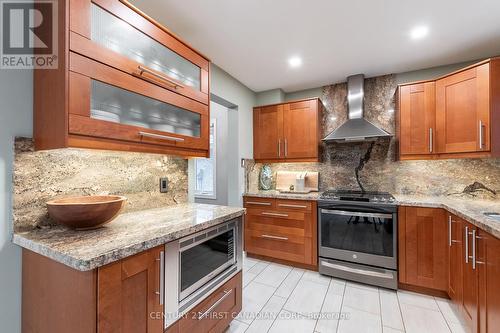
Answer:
(86, 212)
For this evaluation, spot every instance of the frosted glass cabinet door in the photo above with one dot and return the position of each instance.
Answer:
(118, 36)
(107, 103)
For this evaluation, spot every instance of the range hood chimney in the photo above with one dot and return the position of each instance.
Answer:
(356, 128)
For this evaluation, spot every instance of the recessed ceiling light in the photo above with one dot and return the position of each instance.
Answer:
(419, 32)
(295, 62)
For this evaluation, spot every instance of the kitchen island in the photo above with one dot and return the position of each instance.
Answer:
(110, 279)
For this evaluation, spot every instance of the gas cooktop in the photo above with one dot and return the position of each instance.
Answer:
(351, 195)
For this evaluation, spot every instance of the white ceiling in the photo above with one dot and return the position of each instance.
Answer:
(253, 39)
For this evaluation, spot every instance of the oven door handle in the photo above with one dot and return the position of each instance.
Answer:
(346, 213)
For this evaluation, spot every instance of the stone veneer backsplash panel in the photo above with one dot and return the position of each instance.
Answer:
(40, 176)
(375, 162)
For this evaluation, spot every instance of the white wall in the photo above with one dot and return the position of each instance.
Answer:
(227, 87)
(16, 114)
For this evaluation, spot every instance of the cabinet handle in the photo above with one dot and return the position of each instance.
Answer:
(169, 82)
(274, 214)
(473, 248)
(161, 293)
(220, 300)
(431, 140)
(292, 206)
(286, 147)
(450, 239)
(481, 141)
(466, 245)
(163, 137)
(258, 203)
(279, 147)
(274, 237)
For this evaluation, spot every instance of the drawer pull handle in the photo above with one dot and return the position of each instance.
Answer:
(274, 214)
(210, 309)
(274, 237)
(162, 137)
(292, 206)
(258, 203)
(170, 82)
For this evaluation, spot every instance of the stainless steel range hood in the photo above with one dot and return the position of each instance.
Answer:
(356, 128)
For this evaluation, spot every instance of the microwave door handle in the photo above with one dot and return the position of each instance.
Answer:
(346, 213)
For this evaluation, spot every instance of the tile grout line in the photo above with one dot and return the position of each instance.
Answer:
(380, 305)
(442, 315)
(341, 308)
(401, 312)
(322, 304)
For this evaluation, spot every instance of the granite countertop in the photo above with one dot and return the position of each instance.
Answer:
(470, 210)
(129, 234)
(284, 195)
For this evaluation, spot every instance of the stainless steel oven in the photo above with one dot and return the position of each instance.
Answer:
(198, 264)
(358, 241)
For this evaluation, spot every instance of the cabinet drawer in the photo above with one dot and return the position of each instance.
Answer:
(116, 34)
(156, 116)
(278, 245)
(255, 202)
(295, 223)
(294, 205)
(216, 312)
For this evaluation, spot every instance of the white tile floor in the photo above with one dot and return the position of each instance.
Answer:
(279, 298)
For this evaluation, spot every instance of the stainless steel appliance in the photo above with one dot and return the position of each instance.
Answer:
(198, 264)
(358, 237)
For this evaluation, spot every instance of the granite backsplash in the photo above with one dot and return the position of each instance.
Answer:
(373, 165)
(40, 176)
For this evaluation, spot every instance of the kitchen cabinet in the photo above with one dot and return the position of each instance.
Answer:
(456, 259)
(463, 111)
(423, 252)
(488, 267)
(123, 296)
(470, 281)
(128, 294)
(417, 119)
(454, 116)
(282, 229)
(288, 131)
(124, 82)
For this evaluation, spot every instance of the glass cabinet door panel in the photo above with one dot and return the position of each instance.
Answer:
(110, 103)
(119, 36)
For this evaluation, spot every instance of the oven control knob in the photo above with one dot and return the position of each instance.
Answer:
(354, 256)
(375, 199)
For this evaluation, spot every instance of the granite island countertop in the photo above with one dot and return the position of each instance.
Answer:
(471, 210)
(129, 234)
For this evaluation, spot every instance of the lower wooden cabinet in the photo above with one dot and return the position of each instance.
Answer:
(128, 294)
(456, 259)
(423, 252)
(282, 229)
(488, 268)
(469, 306)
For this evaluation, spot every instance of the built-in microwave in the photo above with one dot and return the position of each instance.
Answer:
(198, 264)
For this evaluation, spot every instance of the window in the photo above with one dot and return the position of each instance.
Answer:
(205, 169)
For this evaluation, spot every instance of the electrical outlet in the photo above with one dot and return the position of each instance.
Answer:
(163, 185)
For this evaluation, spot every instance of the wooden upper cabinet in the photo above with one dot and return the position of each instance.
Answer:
(300, 130)
(117, 34)
(128, 294)
(456, 116)
(268, 132)
(124, 82)
(423, 247)
(488, 266)
(417, 119)
(287, 131)
(463, 111)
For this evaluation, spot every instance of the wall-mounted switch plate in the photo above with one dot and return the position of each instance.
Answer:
(163, 185)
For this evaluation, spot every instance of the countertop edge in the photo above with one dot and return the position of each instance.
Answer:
(119, 253)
